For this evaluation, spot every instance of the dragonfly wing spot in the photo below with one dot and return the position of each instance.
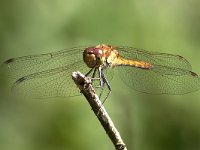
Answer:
(180, 57)
(193, 74)
(21, 80)
(9, 61)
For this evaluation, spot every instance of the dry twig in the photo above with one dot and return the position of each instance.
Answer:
(85, 86)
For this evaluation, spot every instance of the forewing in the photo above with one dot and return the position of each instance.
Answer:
(23, 66)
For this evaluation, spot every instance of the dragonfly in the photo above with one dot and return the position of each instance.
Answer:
(49, 75)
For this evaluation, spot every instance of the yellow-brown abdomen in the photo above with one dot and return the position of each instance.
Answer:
(134, 63)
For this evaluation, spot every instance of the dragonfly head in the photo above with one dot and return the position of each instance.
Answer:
(93, 57)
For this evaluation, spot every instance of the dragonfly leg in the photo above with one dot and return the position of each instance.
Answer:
(103, 80)
(90, 72)
(101, 84)
(94, 78)
(94, 73)
(101, 76)
(109, 88)
(101, 90)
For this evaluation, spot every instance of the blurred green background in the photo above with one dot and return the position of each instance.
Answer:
(146, 122)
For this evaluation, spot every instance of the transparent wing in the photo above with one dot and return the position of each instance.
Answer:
(23, 66)
(160, 80)
(162, 59)
(45, 75)
(49, 83)
(171, 74)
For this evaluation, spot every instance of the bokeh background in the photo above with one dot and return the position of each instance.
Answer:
(146, 122)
